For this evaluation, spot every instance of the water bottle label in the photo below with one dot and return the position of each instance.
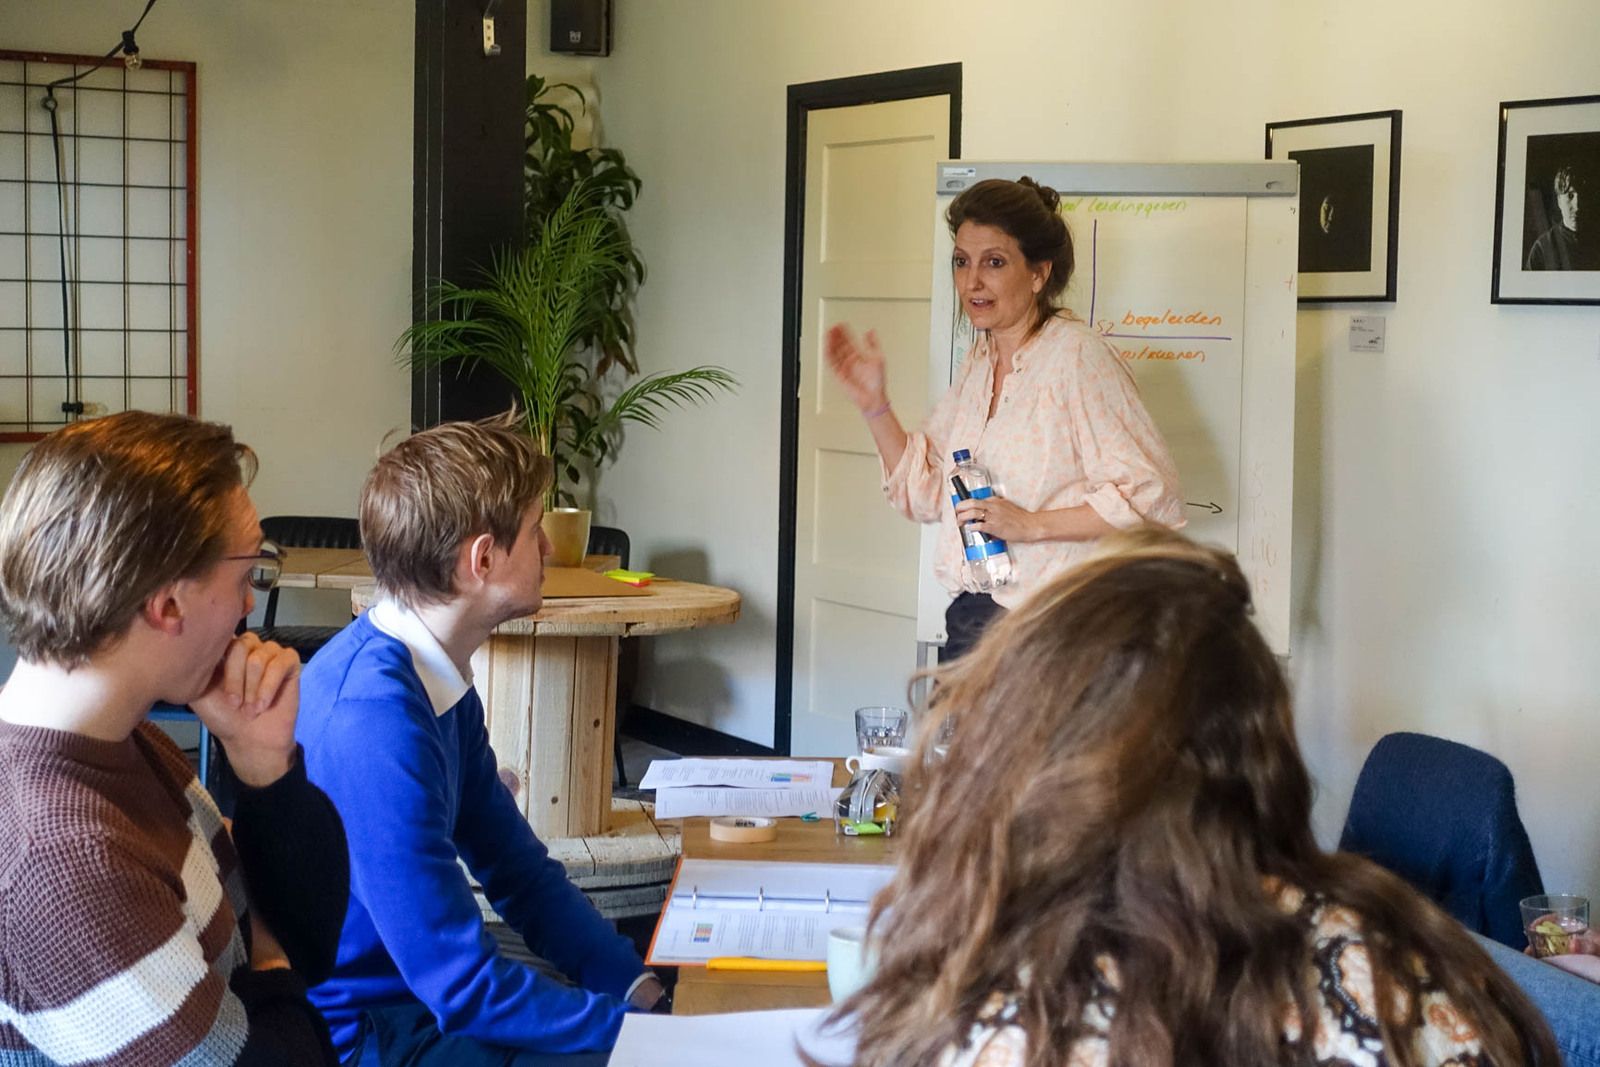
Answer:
(985, 549)
(982, 493)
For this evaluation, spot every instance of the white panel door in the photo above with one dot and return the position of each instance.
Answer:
(868, 196)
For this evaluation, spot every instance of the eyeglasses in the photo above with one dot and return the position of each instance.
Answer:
(268, 565)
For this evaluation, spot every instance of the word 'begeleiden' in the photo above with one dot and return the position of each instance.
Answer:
(1171, 318)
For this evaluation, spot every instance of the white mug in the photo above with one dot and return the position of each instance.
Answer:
(889, 758)
(850, 964)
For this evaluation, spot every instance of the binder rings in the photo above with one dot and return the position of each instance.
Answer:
(758, 910)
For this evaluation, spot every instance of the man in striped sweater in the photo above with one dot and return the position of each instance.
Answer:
(133, 928)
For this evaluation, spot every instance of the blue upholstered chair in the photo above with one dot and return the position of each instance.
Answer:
(1443, 816)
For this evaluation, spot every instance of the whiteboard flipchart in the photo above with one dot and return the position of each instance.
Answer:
(1189, 270)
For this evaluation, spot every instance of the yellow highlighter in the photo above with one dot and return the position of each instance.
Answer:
(749, 963)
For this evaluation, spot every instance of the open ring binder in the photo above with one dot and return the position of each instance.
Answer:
(722, 908)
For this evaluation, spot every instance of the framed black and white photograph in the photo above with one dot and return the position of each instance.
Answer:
(1547, 203)
(1349, 203)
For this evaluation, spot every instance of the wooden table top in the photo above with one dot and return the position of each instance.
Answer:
(304, 568)
(346, 568)
(671, 607)
(702, 992)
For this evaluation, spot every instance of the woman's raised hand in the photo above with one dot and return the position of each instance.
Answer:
(859, 367)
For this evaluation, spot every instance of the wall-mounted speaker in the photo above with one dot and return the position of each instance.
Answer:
(581, 26)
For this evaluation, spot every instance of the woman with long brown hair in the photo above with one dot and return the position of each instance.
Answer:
(1114, 864)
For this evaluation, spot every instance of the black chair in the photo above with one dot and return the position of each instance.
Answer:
(1443, 816)
(610, 541)
(304, 531)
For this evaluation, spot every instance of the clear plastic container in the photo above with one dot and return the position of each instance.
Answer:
(988, 562)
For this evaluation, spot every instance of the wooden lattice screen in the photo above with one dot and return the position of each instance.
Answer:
(108, 195)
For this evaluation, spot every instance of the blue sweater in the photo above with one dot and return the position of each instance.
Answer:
(417, 788)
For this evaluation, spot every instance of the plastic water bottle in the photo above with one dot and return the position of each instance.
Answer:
(988, 562)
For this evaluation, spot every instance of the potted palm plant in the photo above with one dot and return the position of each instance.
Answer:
(551, 316)
(528, 317)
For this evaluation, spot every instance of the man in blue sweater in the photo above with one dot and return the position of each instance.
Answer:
(394, 732)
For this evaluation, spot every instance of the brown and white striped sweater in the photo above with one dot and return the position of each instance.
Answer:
(121, 894)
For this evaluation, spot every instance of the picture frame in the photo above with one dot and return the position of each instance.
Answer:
(1349, 203)
(1548, 171)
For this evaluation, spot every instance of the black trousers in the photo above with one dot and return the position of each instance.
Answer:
(965, 620)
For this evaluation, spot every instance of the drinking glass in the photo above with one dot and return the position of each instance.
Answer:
(1551, 921)
(880, 726)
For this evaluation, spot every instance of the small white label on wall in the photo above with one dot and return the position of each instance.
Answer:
(954, 177)
(1366, 333)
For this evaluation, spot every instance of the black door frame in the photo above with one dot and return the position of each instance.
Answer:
(467, 191)
(941, 80)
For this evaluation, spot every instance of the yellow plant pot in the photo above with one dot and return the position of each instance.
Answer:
(568, 531)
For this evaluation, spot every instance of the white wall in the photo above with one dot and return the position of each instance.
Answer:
(1445, 500)
(305, 219)
(305, 222)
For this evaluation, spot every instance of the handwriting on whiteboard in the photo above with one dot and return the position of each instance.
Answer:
(1124, 206)
(1146, 352)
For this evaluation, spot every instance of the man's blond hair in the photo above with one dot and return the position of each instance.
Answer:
(441, 487)
(101, 515)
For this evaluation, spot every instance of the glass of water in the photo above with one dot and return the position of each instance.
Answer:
(880, 726)
(1553, 921)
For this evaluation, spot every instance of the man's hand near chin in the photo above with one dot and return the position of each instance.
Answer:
(250, 706)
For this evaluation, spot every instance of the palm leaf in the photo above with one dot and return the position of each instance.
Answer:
(534, 315)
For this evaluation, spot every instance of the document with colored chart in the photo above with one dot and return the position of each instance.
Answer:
(770, 911)
(773, 788)
(740, 773)
(713, 801)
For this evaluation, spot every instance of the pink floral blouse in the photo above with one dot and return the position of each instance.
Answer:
(1069, 430)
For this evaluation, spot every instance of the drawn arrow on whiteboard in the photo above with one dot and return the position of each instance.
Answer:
(1212, 506)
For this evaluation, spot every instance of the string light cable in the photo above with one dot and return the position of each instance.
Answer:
(128, 48)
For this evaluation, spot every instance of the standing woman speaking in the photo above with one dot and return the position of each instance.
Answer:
(1042, 400)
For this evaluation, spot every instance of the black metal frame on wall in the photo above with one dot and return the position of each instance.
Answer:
(98, 246)
(1549, 152)
(1352, 254)
(941, 80)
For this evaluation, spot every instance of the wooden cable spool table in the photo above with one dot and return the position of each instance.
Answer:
(549, 684)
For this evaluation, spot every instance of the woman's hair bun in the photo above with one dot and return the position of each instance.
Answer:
(1047, 195)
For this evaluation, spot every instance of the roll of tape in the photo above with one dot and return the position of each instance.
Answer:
(743, 830)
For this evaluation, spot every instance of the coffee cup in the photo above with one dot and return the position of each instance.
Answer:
(891, 758)
(850, 964)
